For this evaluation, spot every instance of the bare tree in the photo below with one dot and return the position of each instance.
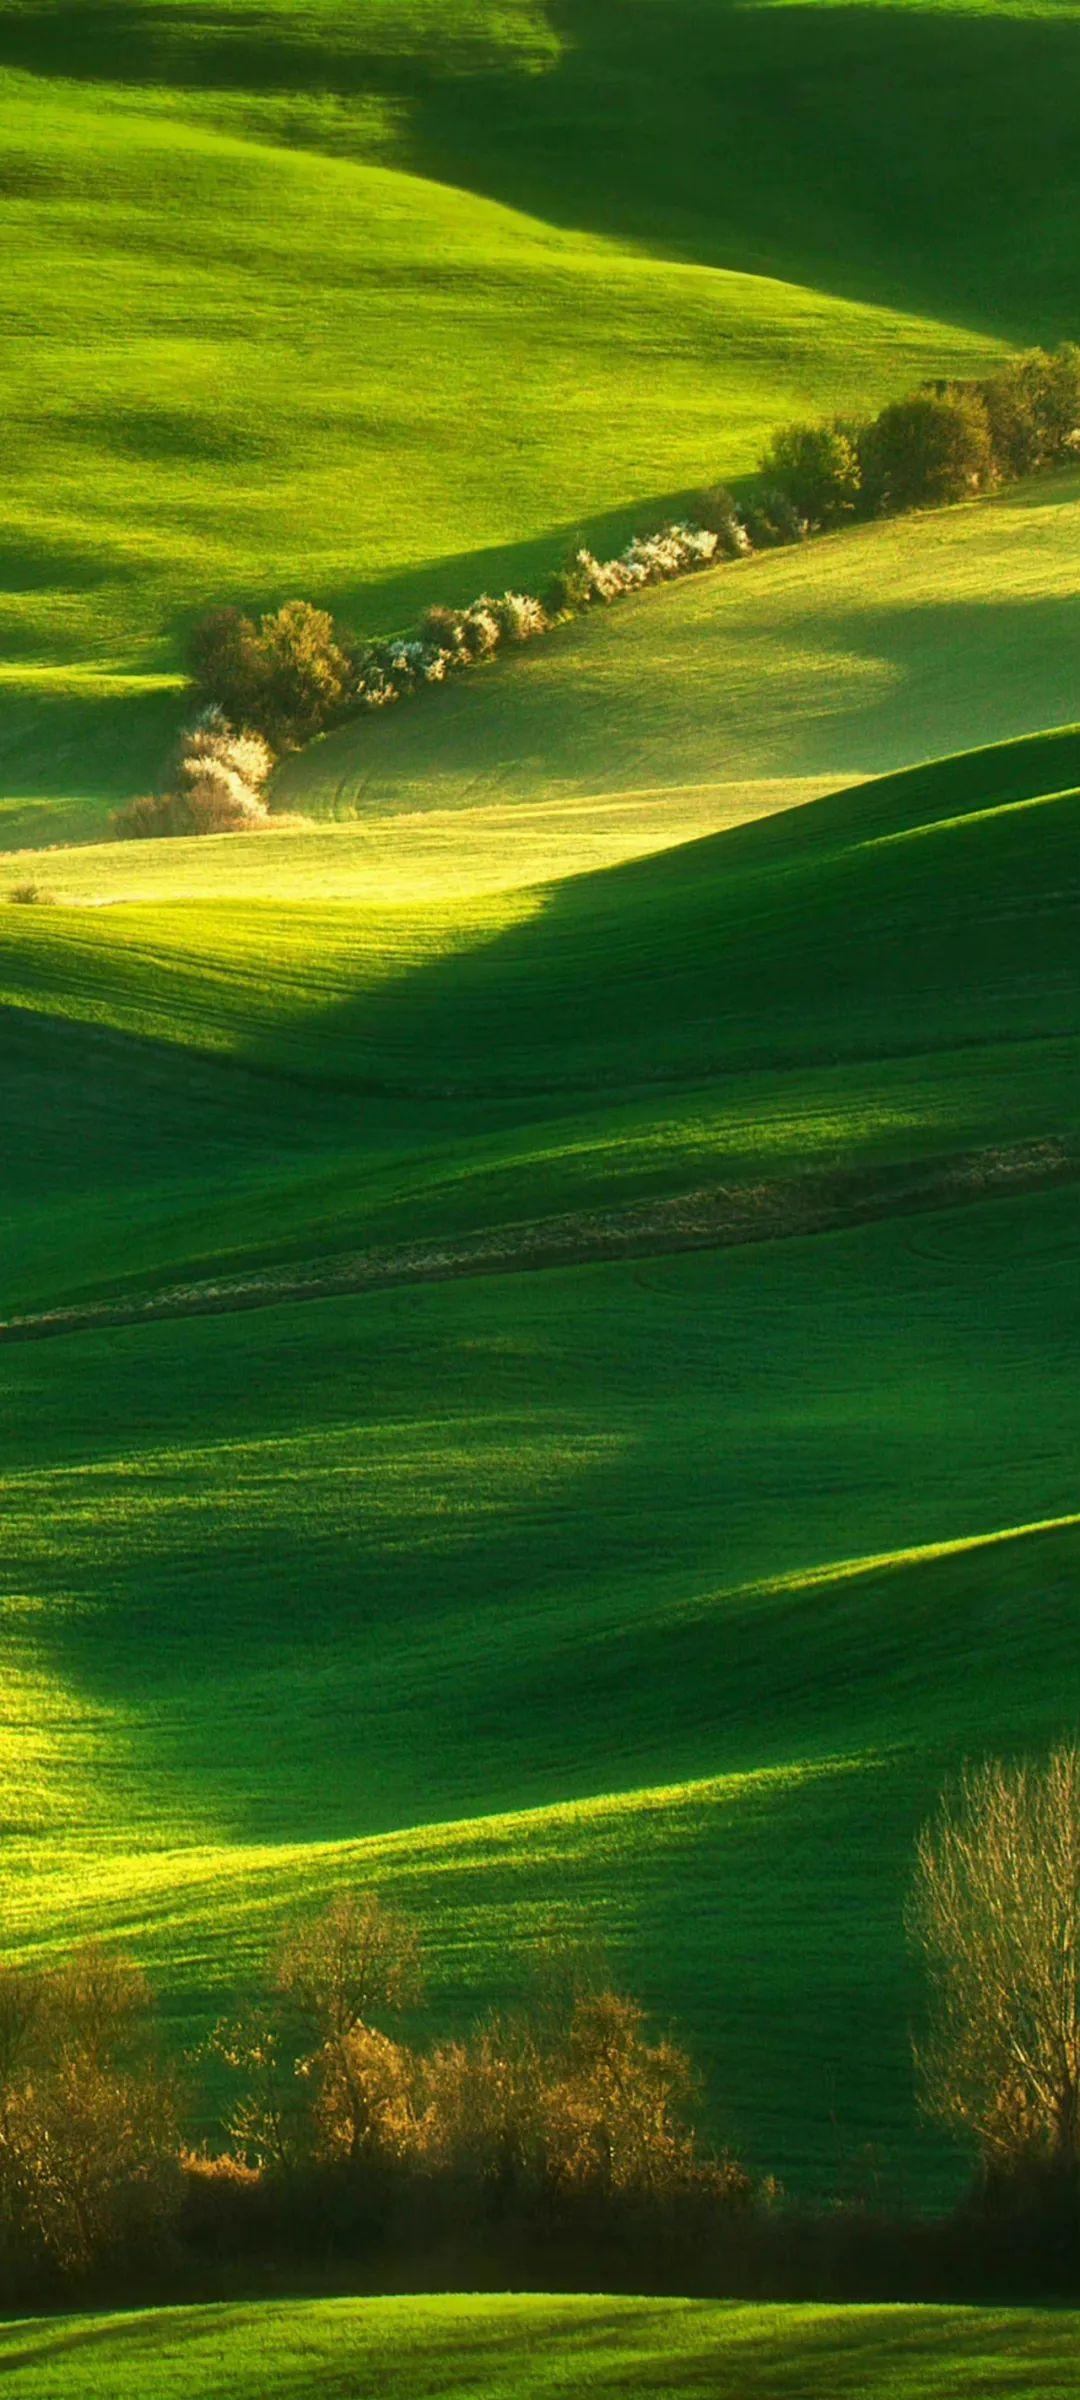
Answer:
(996, 1912)
(88, 2115)
(356, 1959)
(317, 2072)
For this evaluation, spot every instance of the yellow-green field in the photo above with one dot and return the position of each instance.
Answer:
(528, 2349)
(383, 307)
(850, 657)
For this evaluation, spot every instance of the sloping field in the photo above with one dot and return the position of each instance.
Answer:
(520, 2348)
(657, 1593)
(382, 306)
(675, 713)
(249, 307)
(853, 980)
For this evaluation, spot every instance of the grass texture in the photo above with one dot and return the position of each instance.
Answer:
(751, 687)
(525, 2348)
(654, 1598)
(382, 306)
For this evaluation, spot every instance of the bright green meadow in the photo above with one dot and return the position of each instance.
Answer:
(729, 694)
(383, 302)
(544, 2349)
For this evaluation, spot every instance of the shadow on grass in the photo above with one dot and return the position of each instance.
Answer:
(858, 150)
(69, 756)
(956, 675)
(148, 2331)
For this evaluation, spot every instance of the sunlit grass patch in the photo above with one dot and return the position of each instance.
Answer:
(522, 2347)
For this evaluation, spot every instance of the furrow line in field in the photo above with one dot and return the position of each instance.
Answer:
(710, 1217)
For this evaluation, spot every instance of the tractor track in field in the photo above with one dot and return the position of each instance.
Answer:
(711, 1217)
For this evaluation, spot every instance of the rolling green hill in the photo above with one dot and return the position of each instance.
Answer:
(522, 2348)
(381, 305)
(652, 1588)
(322, 373)
(750, 688)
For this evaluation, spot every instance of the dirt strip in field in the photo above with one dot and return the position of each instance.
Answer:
(713, 1217)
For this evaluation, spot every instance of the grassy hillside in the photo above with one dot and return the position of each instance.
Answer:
(500, 2349)
(639, 1592)
(323, 373)
(381, 305)
(851, 657)
(847, 981)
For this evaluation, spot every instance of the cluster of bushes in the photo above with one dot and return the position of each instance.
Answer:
(296, 672)
(568, 2093)
(938, 445)
(555, 2142)
(563, 2111)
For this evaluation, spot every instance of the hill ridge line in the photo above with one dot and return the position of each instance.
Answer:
(915, 1554)
(179, 1868)
(707, 1218)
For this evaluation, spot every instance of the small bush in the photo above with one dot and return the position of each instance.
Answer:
(1057, 403)
(481, 628)
(660, 557)
(444, 629)
(374, 686)
(925, 451)
(308, 674)
(519, 617)
(1015, 437)
(818, 468)
(567, 591)
(1033, 407)
(226, 666)
(220, 778)
(287, 679)
(218, 785)
(146, 819)
(214, 802)
(772, 519)
(212, 742)
(715, 509)
(31, 895)
(602, 580)
(206, 805)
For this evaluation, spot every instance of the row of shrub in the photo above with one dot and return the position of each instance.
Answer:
(565, 2102)
(554, 2143)
(268, 687)
(296, 672)
(941, 444)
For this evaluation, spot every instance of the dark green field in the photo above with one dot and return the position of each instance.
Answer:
(656, 1595)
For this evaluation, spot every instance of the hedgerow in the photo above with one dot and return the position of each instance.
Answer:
(552, 2143)
(566, 2109)
(296, 672)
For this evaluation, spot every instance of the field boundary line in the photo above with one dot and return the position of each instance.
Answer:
(710, 1217)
